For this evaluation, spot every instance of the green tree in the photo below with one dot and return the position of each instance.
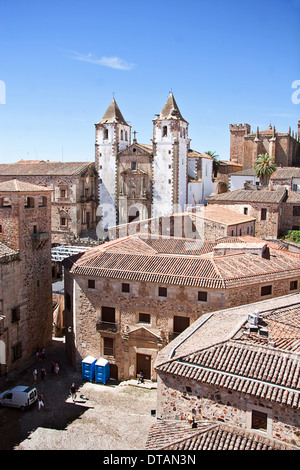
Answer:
(264, 166)
(216, 163)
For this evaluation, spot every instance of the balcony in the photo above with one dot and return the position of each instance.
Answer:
(40, 236)
(109, 327)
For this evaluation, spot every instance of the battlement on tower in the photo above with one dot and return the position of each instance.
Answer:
(246, 128)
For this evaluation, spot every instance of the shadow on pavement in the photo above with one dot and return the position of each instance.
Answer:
(59, 410)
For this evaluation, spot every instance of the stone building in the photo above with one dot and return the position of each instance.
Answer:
(207, 223)
(25, 270)
(138, 180)
(74, 195)
(126, 299)
(265, 206)
(235, 372)
(245, 146)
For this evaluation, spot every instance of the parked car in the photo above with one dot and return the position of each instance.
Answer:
(20, 396)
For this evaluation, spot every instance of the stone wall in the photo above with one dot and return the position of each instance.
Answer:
(178, 397)
(83, 313)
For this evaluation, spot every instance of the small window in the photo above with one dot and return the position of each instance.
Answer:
(108, 346)
(293, 285)
(263, 214)
(259, 420)
(63, 193)
(29, 203)
(63, 221)
(162, 292)
(144, 317)
(165, 131)
(122, 138)
(296, 211)
(246, 210)
(16, 352)
(91, 283)
(105, 134)
(1, 229)
(266, 290)
(15, 314)
(125, 287)
(202, 296)
(133, 165)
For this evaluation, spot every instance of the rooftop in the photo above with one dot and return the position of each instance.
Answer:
(248, 195)
(20, 186)
(43, 168)
(179, 261)
(220, 349)
(178, 435)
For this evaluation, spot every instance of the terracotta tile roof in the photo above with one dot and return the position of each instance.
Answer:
(195, 154)
(249, 195)
(293, 198)
(136, 259)
(224, 215)
(42, 168)
(228, 358)
(285, 173)
(179, 436)
(20, 186)
(6, 251)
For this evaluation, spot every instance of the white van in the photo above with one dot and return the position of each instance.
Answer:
(21, 397)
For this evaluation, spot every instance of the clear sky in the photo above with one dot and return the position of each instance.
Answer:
(61, 61)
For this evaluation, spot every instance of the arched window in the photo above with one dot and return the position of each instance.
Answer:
(105, 134)
(122, 138)
(126, 135)
(165, 131)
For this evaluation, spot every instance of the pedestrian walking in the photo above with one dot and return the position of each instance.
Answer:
(35, 373)
(43, 373)
(56, 368)
(41, 403)
(73, 392)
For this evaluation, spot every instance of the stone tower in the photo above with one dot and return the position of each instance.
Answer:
(26, 281)
(113, 135)
(170, 151)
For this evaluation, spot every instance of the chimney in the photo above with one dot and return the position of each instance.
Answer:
(259, 249)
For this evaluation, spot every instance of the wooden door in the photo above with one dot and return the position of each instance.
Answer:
(143, 363)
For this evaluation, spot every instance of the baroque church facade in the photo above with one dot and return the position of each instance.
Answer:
(138, 181)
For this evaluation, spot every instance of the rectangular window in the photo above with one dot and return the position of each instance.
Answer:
(246, 210)
(263, 214)
(133, 165)
(162, 292)
(125, 287)
(202, 296)
(108, 346)
(266, 290)
(63, 221)
(16, 352)
(259, 420)
(293, 285)
(62, 193)
(296, 211)
(15, 314)
(144, 317)
(91, 283)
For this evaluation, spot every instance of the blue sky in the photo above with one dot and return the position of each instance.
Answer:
(61, 62)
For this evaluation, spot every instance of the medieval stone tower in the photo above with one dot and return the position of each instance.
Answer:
(25, 269)
(170, 151)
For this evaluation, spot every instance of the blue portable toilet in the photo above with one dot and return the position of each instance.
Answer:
(88, 368)
(102, 371)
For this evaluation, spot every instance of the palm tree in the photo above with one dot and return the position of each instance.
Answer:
(264, 166)
(216, 163)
